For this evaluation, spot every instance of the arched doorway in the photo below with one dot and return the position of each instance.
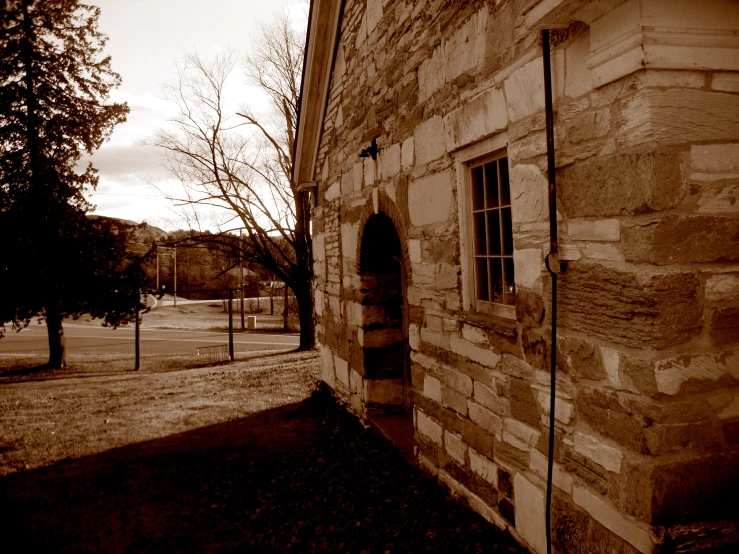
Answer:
(385, 314)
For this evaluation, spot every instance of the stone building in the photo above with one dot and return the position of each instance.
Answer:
(422, 140)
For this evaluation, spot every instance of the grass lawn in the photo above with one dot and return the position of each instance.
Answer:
(211, 316)
(243, 457)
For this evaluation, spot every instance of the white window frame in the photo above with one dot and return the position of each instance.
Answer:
(497, 144)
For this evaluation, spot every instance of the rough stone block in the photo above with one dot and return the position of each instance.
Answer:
(454, 400)
(327, 367)
(429, 428)
(574, 530)
(603, 411)
(486, 397)
(414, 337)
(465, 48)
(603, 251)
(430, 199)
(528, 266)
(432, 388)
(527, 434)
(347, 183)
(483, 356)
(598, 451)
(715, 158)
(695, 372)
(621, 184)
(430, 141)
(564, 411)
(430, 75)
(455, 446)
(636, 309)
(486, 419)
(483, 468)
(390, 161)
(529, 194)
(370, 171)
(588, 126)
(613, 520)
(373, 14)
(725, 326)
(358, 175)
(457, 381)
(332, 192)
(539, 465)
(580, 359)
(407, 153)
(518, 86)
(342, 370)
(599, 230)
(703, 488)
(480, 117)
(435, 338)
(683, 240)
(474, 334)
(529, 308)
(349, 237)
(677, 116)
(530, 513)
(524, 405)
(356, 383)
(611, 365)
(728, 82)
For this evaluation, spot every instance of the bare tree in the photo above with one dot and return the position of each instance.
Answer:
(236, 161)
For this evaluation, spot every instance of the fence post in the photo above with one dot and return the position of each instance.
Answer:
(230, 325)
(138, 364)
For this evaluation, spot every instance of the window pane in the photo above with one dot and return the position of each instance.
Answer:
(507, 232)
(505, 190)
(510, 286)
(478, 200)
(491, 185)
(480, 234)
(481, 279)
(493, 232)
(496, 280)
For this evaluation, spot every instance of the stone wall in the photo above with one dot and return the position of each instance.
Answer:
(647, 413)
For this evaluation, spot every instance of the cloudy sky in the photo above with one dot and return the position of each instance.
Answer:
(145, 38)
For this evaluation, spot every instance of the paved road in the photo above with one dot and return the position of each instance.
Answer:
(93, 339)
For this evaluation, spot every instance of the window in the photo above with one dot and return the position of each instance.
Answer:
(492, 232)
(487, 230)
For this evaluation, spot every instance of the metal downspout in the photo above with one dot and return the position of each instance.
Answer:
(552, 263)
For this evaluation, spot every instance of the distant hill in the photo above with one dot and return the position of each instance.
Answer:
(141, 232)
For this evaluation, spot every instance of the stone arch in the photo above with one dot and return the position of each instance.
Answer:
(386, 206)
(382, 265)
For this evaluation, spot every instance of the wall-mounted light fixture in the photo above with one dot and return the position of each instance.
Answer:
(371, 150)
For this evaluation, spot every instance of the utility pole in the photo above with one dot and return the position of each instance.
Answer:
(138, 348)
(241, 276)
(157, 269)
(230, 325)
(175, 276)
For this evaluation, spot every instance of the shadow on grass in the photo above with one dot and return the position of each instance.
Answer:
(303, 477)
(23, 369)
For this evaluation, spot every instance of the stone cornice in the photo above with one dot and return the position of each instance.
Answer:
(553, 14)
(320, 48)
(664, 48)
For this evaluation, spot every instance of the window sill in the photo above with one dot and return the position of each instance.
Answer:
(504, 325)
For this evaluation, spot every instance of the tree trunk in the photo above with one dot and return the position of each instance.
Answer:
(285, 310)
(57, 342)
(304, 297)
